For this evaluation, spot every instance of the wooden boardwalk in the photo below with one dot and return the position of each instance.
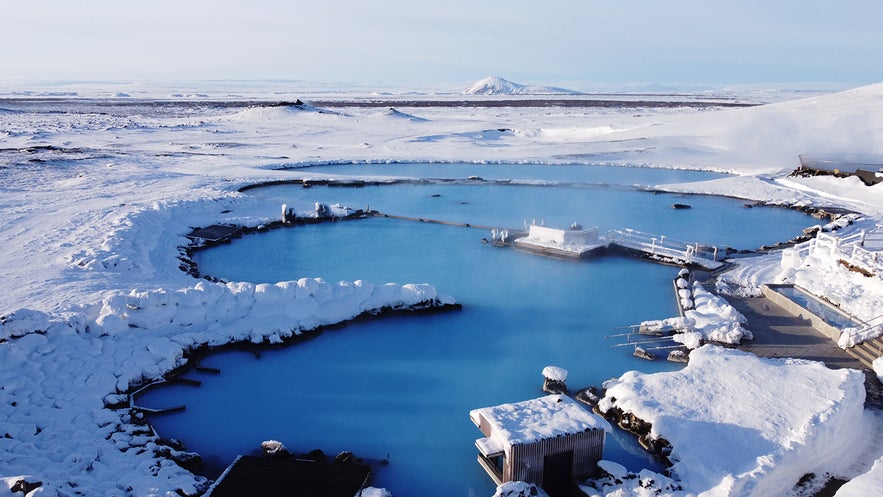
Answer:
(779, 333)
(215, 233)
(665, 250)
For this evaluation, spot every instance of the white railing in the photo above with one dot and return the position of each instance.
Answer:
(872, 329)
(851, 249)
(662, 246)
(855, 251)
(824, 241)
(864, 258)
(802, 250)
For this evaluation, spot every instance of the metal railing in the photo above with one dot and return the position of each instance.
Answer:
(664, 246)
(873, 328)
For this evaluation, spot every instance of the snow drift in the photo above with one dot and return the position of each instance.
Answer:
(740, 425)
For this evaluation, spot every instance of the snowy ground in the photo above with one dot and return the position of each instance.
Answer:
(96, 203)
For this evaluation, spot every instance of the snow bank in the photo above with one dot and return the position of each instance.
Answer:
(555, 373)
(519, 489)
(707, 318)
(56, 429)
(57, 374)
(714, 319)
(864, 485)
(253, 312)
(617, 481)
(374, 492)
(740, 425)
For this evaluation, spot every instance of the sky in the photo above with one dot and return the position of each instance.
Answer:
(609, 41)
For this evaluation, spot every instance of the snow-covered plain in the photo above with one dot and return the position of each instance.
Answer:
(98, 199)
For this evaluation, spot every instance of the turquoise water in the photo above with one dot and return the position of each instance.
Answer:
(404, 386)
(710, 220)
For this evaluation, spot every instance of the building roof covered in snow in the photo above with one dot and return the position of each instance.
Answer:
(537, 419)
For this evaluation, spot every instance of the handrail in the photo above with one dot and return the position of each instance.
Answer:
(661, 244)
(870, 327)
(849, 248)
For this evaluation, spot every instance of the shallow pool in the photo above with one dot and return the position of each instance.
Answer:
(813, 304)
(404, 386)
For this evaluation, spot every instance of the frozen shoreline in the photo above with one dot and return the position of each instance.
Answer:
(92, 230)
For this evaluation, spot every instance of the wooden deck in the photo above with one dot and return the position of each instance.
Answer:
(215, 233)
(658, 248)
(779, 333)
(289, 477)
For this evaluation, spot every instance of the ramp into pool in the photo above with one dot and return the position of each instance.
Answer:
(788, 321)
(828, 319)
(779, 333)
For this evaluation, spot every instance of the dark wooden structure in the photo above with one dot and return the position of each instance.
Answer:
(269, 477)
(868, 168)
(215, 233)
(550, 441)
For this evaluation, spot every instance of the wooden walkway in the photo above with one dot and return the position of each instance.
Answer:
(215, 233)
(666, 250)
(779, 333)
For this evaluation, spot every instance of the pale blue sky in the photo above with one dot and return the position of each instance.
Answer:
(612, 41)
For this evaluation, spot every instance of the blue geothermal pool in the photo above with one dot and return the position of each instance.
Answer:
(404, 386)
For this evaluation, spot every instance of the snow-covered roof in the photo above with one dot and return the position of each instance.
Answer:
(537, 419)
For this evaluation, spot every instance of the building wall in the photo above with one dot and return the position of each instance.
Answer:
(576, 237)
(525, 462)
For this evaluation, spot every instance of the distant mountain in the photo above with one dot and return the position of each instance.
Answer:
(495, 85)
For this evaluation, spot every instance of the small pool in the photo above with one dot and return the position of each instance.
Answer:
(827, 312)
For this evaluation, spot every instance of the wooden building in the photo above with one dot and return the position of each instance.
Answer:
(550, 441)
(216, 233)
(290, 477)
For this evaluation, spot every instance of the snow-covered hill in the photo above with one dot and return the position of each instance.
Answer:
(495, 85)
